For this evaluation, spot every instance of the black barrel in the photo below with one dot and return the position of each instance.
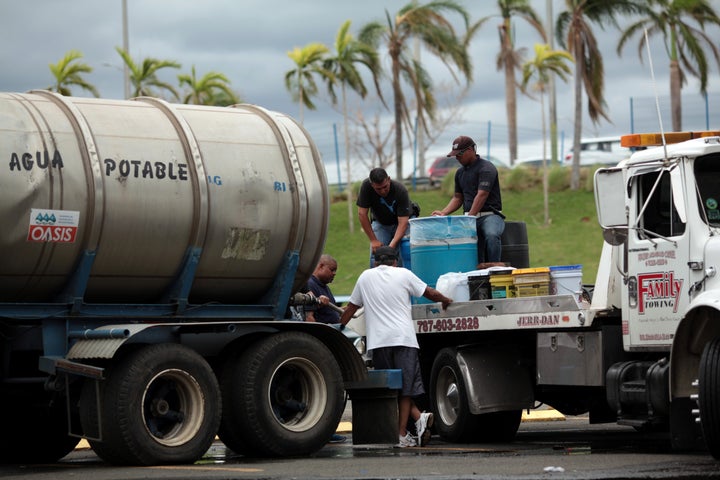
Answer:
(515, 250)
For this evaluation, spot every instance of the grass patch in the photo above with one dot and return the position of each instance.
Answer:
(572, 237)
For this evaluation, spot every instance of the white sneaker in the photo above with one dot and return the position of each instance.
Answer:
(423, 425)
(407, 441)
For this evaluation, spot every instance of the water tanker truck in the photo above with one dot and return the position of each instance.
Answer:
(147, 257)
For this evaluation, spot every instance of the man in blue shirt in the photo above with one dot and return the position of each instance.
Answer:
(323, 275)
(477, 190)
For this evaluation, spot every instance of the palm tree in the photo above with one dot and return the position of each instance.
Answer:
(212, 89)
(684, 43)
(143, 77)
(300, 81)
(437, 34)
(68, 72)
(546, 62)
(348, 53)
(574, 33)
(510, 59)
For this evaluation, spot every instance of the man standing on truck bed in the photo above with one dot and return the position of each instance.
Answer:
(389, 202)
(385, 293)
(477, 190)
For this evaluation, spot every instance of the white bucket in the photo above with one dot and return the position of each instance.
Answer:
(566, 280)
(454, 285)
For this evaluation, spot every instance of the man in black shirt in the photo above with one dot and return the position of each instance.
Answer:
(389, 202)
(477, 190)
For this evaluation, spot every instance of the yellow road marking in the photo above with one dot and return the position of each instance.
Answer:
(207, 467)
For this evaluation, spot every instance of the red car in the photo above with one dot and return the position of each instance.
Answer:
(441, 167)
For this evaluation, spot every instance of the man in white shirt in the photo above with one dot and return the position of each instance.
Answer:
(385, 293)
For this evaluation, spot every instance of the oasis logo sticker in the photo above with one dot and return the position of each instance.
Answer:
(56, 226)
(658, 290)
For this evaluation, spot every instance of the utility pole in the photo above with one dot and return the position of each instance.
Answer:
(420, 143)
(126, 47)
(552, 100)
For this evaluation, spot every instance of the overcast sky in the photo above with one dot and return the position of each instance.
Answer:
(248, 41)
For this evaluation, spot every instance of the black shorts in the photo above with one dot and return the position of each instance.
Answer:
(406, 359)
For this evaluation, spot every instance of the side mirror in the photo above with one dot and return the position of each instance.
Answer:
(615, 236)
(610, 195)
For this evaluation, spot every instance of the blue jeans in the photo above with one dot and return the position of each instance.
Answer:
(385, 233)
(490, 229)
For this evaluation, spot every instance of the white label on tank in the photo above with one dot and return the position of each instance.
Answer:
(57, 226)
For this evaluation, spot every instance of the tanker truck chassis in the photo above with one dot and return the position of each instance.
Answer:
(148, 261)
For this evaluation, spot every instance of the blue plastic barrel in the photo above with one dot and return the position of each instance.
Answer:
(405, 252)
(440, 245)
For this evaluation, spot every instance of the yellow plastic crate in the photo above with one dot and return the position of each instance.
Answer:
(532, 290)
(501, 285)
(531, 276)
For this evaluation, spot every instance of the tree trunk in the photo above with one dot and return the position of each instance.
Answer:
(675, 96)
(351, 224)
(300, 96)
(397, 92)
(579, 68)
(546, 188)
(510, 92)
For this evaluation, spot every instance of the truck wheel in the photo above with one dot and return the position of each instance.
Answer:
(160, 404)
(709, 396)
(283, 396)
(448, 399)
(454, 421)
(35, 429)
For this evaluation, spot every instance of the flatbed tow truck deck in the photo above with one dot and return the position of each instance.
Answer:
(547, 311)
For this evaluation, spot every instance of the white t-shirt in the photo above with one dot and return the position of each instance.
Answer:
(385, 293)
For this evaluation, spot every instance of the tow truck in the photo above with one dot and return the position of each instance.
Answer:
(640, 347)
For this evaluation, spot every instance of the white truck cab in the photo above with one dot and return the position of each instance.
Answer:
(661, 210)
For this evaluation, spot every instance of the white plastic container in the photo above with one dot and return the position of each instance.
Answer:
(566, 280)
(454, 285)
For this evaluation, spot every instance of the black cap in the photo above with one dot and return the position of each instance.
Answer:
(461, 144)
(385, 253)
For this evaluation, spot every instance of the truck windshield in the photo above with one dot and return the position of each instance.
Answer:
(707, 178)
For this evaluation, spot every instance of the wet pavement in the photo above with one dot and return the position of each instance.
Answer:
(548, 445)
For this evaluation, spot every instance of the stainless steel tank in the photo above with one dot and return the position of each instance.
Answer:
(132, 188)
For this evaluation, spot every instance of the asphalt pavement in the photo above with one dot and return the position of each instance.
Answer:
(543, 414)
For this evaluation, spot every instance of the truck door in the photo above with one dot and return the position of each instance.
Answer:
(657, 258)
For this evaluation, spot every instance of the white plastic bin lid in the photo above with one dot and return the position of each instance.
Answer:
(442, 228)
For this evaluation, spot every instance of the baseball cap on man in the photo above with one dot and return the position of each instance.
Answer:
(385, 253)
(459, 144)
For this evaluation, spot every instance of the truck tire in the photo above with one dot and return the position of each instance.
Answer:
(453, 420)
(448, 399)
(160, 404)
(709, 396)
(35, 428)
(283, 396)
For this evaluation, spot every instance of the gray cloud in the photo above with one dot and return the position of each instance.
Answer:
(248, 40)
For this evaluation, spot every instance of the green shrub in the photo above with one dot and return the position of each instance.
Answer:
(558, 178)
(447, 186)
(587, 178)
(520, 178)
